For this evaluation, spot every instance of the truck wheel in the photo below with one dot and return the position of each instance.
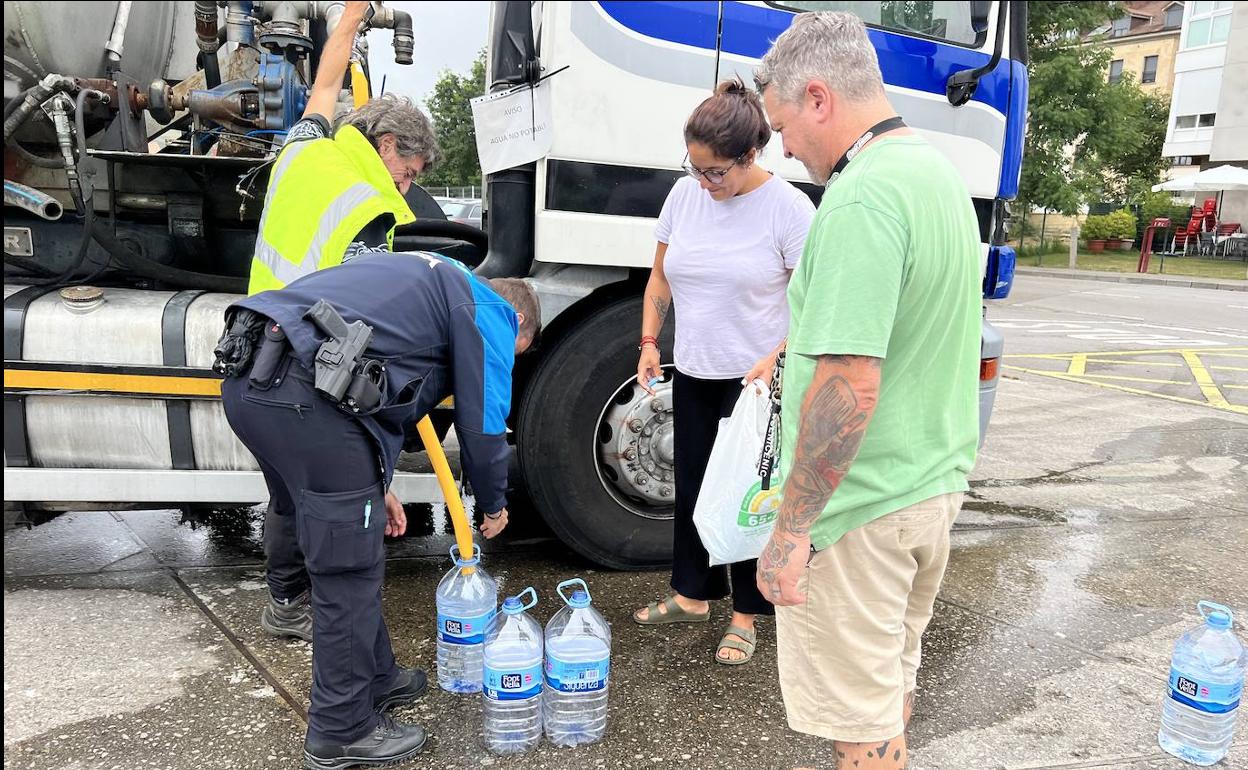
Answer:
(595, 449)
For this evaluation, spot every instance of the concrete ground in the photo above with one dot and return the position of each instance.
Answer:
(1098, 517)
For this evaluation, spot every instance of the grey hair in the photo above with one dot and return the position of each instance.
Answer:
(830, 46)
(397, 115)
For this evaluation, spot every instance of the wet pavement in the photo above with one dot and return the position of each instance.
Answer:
(1097, 520)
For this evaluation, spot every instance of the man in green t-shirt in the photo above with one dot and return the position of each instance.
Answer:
(879, 421)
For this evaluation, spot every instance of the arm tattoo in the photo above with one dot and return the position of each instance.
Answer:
(834, 417)
(774, 556)
(661, 306)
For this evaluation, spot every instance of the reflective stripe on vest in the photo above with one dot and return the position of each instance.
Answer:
(286, 271)
(319, 205)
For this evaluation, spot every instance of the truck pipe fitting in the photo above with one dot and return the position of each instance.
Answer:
(35, 201)
(32, 98)
(117, 40)
(239, 27)
(404, 39)
(206, 26)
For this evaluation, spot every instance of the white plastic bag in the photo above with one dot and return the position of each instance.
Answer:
(734, 514)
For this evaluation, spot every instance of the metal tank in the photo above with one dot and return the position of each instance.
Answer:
(156, 39)
(116, 333)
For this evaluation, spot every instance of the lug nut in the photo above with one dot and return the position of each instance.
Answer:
(665, 491)
(630, 454)
(634, 425)
(641, 479)
(657, 405)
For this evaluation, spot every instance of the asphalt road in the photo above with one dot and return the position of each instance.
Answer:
(1101, 511)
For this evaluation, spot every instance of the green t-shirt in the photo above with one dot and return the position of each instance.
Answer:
(891, 270)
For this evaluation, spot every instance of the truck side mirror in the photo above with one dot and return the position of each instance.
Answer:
(979, 15)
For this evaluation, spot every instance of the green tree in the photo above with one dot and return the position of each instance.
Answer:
(1087, 139)
(452, 119)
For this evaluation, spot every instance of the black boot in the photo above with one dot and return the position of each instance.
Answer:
(409, 685)
(389, 743)
(288, 617)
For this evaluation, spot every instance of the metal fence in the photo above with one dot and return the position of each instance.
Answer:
(455, 192)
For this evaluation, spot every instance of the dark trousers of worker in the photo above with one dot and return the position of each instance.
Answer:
(283, 560)
(699, 405)
(320, 464)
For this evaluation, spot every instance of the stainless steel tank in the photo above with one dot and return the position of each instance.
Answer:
(71, 38)
(123, 331)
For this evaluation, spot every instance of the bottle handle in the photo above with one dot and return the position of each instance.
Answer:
(532, 602)
(462, 562)
(1202, 606)
(573, 582)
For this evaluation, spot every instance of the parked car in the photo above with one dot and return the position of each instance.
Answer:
(465, 211)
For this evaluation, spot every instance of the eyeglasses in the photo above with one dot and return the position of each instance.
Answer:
(712, 175)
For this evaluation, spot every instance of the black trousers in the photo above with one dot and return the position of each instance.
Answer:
(699, 406)
(325, 478)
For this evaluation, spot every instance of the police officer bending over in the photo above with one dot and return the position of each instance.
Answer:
(323, 378)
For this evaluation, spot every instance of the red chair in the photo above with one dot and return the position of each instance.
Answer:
(1228, 228)
(1211, 205)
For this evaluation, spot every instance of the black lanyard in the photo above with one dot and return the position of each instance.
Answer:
(891, 124)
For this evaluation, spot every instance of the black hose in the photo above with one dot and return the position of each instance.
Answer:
(33, 159)
(31, 99)
(212, 69)
(444, 229)
(173, 276)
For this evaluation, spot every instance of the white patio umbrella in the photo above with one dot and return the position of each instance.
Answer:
(1217, 179)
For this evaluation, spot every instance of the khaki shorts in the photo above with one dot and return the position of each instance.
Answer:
(849, 655)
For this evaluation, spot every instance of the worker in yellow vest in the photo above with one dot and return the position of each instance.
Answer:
(335, 192)
(332, 194)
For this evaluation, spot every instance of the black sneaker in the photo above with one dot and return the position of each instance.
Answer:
(288, 617)
(389, 743)
(409, 685)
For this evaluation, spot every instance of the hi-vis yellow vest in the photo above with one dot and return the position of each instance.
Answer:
(322, 192)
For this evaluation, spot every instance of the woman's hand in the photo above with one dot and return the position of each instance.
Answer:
(649, 367)
(494, 523)
(763, 370)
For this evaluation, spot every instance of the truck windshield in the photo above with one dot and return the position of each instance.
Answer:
(944, 20)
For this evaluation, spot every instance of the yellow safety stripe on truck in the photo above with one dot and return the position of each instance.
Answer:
(150, 381)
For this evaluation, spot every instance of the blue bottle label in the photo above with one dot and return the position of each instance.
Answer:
(513, 683)
(1209, 698)
(453, 629)
(577, 677)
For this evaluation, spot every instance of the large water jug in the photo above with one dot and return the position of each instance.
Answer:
(1206, 680)
(578, 662)
(467, 598)
(512, 691)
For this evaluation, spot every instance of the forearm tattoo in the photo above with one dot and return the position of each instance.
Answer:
(661, 306)
(834, 417)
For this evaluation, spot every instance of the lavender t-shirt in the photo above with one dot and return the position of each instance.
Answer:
(728, 263)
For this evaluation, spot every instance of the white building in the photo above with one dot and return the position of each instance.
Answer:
(1209, 105)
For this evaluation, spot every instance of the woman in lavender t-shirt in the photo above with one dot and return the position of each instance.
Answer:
(729, 236)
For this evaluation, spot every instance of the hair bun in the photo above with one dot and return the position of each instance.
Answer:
(732, 86)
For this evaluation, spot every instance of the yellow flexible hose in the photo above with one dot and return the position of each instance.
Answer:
(441, 468)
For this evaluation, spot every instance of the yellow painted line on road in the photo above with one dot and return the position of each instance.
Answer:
(1111, 386)
(1205, 382)
(1202, 351)
(1137, 379)
(1078, 364)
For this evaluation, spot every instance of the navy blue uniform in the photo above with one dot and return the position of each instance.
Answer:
(441, 332)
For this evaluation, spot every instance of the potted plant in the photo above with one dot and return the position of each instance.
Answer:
(1123, 226)
(1095, 231)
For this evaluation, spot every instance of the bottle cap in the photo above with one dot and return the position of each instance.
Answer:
(513, 605)
(579, 599)
(1216, 615)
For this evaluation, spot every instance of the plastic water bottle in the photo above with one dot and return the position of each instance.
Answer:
(467, 598)
(512, 693)
(1206, 679)
(578, 662)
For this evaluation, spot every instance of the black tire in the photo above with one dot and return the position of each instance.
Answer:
(557, 426)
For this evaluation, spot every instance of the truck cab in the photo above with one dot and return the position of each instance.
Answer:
(109, 398)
